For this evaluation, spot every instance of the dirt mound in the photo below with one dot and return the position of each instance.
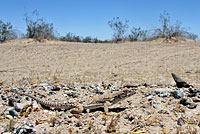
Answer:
(29, 41)
(171, 40)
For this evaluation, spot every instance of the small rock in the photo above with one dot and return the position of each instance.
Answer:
(13, 113)
(164, 94)
(43, 84)
(154, 106)
(192, 106)
(9, 117)
(72, 94)
(51, 93)
(147, 94)
(180, 121)
(196, 99)
(98, 90)
(35, 106)
(11, 102)
(20, 106)
(25, 130)
(188, 102)
(198, 94)
(149, 98)
(179, 82)
(177, 94)
(3, 97)
(56, 88)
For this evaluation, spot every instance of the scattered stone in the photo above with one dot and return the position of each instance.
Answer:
(98, 90)
(51, 93)
(164, 94)
(196, 99)
(179, 82)
(3, 97)
(188, 102)
(35, 106)
(198, 94)
(192, 106)
(159, 90)
(180, 121)
(13, 113)
(9, 117)
(20, 106)
(56, 88)
(25, 130)
(177, 94)
(130, 86)
(11, 102)
(149, 98)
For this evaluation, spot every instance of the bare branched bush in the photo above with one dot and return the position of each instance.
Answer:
(37, 28)
(137, 34)
(119, 28)
(168, 30)
(6, 31)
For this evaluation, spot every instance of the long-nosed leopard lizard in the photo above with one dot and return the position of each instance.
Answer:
(87, 103)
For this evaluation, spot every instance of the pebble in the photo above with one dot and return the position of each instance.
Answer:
(3, 97)
(13, 113)
(55, 88)
(180, 121)
(149, 98)
(35, 106)
(20, 106)
(177, 94)
(11, 102)
(25, 130)
(98, 90)
(9, 117)
(160, 90)
(164, 94)
(188, 102)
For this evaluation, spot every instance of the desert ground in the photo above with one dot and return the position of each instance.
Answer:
(137, 62)
(145, 64)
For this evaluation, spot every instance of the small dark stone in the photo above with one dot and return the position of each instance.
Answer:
(179, 82)
(55, 88)
(185, 101)
(25, 130)
(192, 106)
(180, 121)
(3, 97)
(13, 113)
(10, 102)
(177, 94)
(198, 94)
(160, 125)
(164, 94)
(51, 93)
(188, 102)
(98, 91)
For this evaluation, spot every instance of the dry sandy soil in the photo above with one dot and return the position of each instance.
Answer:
(149, 62)
(138, 62)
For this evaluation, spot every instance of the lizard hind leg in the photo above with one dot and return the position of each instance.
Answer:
(78, 109)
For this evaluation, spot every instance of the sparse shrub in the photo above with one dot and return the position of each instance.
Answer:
(6, 31)
(119, 28)
(169, 30)
(87, 39)
(137, 34)
(37, 28)
(71, 38)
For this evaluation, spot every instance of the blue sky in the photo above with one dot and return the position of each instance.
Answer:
(90, 17)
